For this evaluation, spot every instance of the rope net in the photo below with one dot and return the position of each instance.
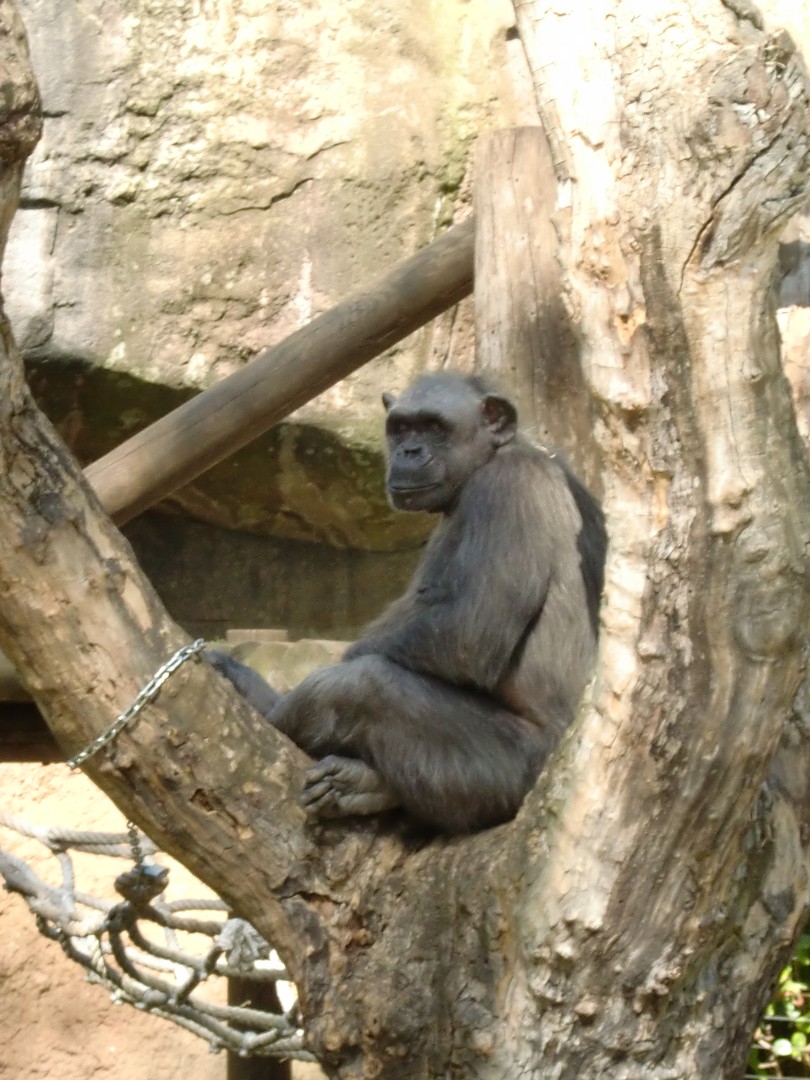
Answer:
(166, 957)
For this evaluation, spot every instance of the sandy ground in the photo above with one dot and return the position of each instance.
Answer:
(52, 1023)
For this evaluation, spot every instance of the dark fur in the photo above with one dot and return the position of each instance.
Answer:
(451, 702)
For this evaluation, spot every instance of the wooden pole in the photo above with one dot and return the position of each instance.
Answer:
(255, 995)
(217, 422)
(523, 333)
(509, 191)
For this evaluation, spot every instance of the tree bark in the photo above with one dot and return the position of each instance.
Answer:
(681, 143)
(627, 925)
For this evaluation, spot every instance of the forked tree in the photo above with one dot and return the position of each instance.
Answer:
(630, 922)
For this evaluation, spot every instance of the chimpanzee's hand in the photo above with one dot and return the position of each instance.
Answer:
(248, 682)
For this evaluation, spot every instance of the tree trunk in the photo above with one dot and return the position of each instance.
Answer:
(628, 924)
(681, 142)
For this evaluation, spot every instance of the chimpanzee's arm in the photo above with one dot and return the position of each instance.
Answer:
(485, 575)
(248, 682)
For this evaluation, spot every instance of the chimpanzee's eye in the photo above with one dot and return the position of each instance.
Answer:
(436, 429)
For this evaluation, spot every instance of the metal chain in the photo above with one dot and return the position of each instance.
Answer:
(135, 844)
(146, 695)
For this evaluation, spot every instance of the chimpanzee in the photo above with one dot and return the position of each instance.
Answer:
(450, 703)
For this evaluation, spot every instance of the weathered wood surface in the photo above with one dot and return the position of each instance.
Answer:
(677, 858)
(523, 333)
(219, 421)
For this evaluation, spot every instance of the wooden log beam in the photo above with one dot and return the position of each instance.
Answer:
(217, 422)
(511, 167)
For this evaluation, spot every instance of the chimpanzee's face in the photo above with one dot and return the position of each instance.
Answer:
(439, 432)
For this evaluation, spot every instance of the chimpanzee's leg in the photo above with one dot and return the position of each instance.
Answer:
(453, 758)
(387, 736)
(336, 786)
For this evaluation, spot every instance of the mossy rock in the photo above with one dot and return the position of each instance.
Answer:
(319, 481)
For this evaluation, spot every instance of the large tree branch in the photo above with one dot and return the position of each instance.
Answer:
(88, 631)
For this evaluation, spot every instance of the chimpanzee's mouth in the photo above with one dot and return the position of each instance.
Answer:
(408, 489)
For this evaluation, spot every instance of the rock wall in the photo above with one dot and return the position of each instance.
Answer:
(211, 175)
(214, 579)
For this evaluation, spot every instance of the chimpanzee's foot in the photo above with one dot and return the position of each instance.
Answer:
(340, 787)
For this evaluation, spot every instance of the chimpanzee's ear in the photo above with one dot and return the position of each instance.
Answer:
(500, 416)
(388, 399)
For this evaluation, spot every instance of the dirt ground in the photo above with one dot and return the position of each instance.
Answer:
(53, 1024)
